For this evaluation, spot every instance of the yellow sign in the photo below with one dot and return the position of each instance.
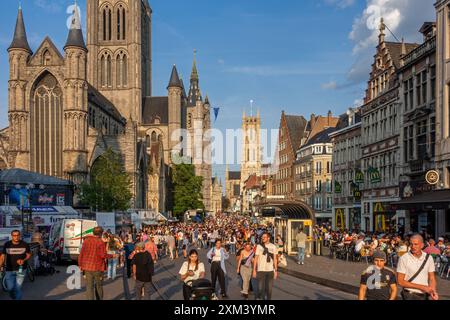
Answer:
(308, 223)
(378, 207)
(340, 219)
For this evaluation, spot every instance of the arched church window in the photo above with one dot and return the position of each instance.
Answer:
(104, 24)
(122, 69)
(103, 71)
(109, 25)
(109, 70)
(118, 24)
(124, 29)
(46, 126)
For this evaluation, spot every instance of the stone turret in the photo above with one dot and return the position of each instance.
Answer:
(19, 54)
(76, 110)
(175, 90)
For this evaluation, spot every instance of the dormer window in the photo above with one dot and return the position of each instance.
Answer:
(46, 58)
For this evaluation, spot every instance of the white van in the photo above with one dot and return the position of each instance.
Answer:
(66, 237)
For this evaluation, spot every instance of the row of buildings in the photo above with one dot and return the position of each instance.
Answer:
(384, 166)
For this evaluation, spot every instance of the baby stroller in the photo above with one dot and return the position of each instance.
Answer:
(46, 265)
(202, 290)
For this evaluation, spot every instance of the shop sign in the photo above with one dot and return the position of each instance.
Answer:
(413, 188)
(432, 177)
(340, 219)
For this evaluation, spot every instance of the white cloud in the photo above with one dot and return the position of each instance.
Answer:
(403, 17)
(332, 85)
(340, 3)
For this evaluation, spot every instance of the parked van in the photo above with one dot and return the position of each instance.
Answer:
(66, 237)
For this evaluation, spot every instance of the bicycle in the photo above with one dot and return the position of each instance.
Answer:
(3, 279)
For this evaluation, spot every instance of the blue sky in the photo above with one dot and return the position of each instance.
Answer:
(300, 56)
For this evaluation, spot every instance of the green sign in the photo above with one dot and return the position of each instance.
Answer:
(337, 187)
(374, 175)
(359, 176)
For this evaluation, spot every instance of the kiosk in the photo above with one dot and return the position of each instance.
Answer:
(289, 218)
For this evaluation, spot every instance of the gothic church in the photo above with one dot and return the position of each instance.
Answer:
(65, 109)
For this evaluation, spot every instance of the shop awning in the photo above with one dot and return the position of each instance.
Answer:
(289, 209)
(15, 210)
(437, 199)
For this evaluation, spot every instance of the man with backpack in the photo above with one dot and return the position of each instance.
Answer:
(265, 268)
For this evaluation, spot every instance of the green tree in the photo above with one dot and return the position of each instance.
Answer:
(110, 186)
(187, 189)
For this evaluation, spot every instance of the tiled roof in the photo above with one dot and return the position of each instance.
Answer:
(296, 127)
(321, 137)
(102, 102)
(155, 107)
(395, 50)
(20, 176)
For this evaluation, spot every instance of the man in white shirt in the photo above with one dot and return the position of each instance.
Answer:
(416, 272)
(265, 268)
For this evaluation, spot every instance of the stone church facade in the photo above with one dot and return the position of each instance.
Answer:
(65, 109)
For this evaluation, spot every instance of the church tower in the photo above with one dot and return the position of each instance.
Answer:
(76, 108)
(251, 147)
(198, 126)
(119, 44)
(19, 55)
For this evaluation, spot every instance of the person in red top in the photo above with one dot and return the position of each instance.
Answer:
(92, 261)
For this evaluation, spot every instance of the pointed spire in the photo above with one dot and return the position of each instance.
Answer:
(206, 99)
(20, 40)
(75, 38)
(174, 79)
(382, 28)
(194, 89)
(194, 74)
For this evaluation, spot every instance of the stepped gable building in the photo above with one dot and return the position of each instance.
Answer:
(291, 136)
(380, 129)
(65, 109)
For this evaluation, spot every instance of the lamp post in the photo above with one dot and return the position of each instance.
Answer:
(30, 188)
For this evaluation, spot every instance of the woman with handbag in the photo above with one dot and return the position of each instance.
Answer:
(245, 267)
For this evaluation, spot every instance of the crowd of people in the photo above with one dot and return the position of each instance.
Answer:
(258, 252)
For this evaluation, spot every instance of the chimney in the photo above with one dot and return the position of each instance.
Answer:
(330, 115)
(313, 120)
